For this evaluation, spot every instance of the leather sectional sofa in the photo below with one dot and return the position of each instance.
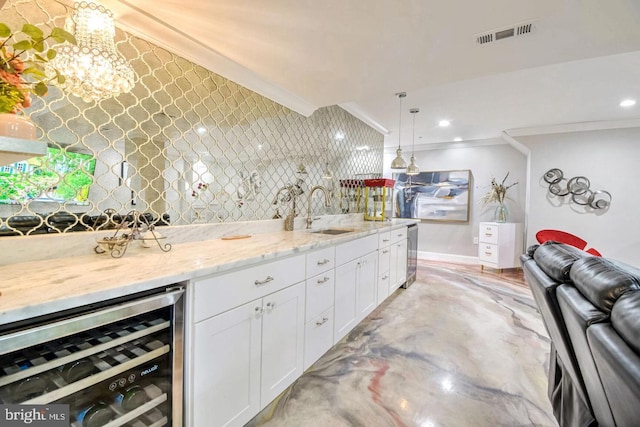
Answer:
(591, 308)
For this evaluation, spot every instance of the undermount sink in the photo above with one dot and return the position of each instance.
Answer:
(334, 231)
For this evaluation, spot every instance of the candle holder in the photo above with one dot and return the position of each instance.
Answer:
(138, 228)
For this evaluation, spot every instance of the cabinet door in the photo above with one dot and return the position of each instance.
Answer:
(345, 300)
(393, 269)
(282, 341)
(226, 367)
(366, 285)
(383, 286)
(402, 262)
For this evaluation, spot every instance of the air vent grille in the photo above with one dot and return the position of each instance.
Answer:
(516, 30)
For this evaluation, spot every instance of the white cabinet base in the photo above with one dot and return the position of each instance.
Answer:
(500, 245)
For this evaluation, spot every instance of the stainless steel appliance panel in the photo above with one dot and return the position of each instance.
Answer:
(412, 255)
(116, 364)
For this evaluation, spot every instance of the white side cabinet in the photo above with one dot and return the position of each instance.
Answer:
(243, 355)
(500, 244)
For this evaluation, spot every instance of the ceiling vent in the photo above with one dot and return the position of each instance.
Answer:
(516, 30)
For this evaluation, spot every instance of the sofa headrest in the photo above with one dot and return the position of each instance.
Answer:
(603, 281)
(625, 319)
(556, 259)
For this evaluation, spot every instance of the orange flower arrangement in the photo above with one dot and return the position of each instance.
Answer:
(15, 91)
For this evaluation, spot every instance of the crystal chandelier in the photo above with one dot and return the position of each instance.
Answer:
(93, 69)
(398, 162)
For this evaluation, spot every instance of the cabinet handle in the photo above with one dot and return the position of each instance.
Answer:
(487, 253)
(385, 240)
(400, 235)
(324, 261)
(385, 277)
(270, 306)
(322, 322)
(385, 252)
(258, 311)
(488, 234)
(262, 282)
(324, 280)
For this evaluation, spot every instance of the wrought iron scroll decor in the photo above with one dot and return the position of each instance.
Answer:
(578, 188)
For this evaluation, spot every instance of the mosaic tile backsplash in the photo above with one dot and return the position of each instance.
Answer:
(185, 145)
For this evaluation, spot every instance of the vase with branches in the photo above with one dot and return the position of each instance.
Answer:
(498, 194)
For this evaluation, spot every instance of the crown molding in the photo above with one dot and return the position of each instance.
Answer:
(574, 127)
(355, 110)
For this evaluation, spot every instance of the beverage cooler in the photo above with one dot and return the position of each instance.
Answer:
(118, 363)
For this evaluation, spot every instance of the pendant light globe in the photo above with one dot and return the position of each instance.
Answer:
(399, 162)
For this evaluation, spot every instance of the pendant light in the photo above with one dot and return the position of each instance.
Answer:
(398, 162)
(413, 169)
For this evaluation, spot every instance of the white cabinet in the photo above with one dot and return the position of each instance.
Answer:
(356, 284)
(282, 341)
(241, 356)
(398, 259)
(319, 305)
(226, 367)
(384, 265)
(366, 285)
(345, 301)
(500, 244)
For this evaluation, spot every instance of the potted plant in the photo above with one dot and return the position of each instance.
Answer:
(23, 55)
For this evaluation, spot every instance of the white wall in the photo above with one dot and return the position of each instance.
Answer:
(486, 160)
(610, 159)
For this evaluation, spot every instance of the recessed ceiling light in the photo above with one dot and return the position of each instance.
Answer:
(444, 123)
(201, 130)
(457, 139)
(628, 103)
(339, 136)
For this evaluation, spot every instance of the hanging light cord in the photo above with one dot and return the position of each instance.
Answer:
(413, 136)
(400, 96)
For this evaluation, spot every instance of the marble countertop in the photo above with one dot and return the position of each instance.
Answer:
(35, 288)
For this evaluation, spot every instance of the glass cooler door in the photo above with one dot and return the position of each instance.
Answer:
(118, 365)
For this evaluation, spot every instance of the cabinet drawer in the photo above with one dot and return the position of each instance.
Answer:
(219, 293)
(384, 257)
(321, 261)
(319, 294)
(489, 233)
(488, 253)
(349, 251)
(318, 337)
(398, 234)
(384, 239)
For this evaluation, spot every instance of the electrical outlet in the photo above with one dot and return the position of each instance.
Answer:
(475, 240)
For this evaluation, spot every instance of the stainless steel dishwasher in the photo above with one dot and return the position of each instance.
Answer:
(412, 254)
(117, 363)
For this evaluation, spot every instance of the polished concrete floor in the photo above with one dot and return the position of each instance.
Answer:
(460, 347)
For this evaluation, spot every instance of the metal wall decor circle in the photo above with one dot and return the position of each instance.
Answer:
(579, 189)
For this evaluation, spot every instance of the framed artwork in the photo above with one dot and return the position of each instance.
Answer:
(433, 196)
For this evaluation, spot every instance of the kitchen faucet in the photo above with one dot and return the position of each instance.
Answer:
(293, 191)
(327, 201)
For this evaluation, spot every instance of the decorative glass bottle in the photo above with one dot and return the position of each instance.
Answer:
(501, 213)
